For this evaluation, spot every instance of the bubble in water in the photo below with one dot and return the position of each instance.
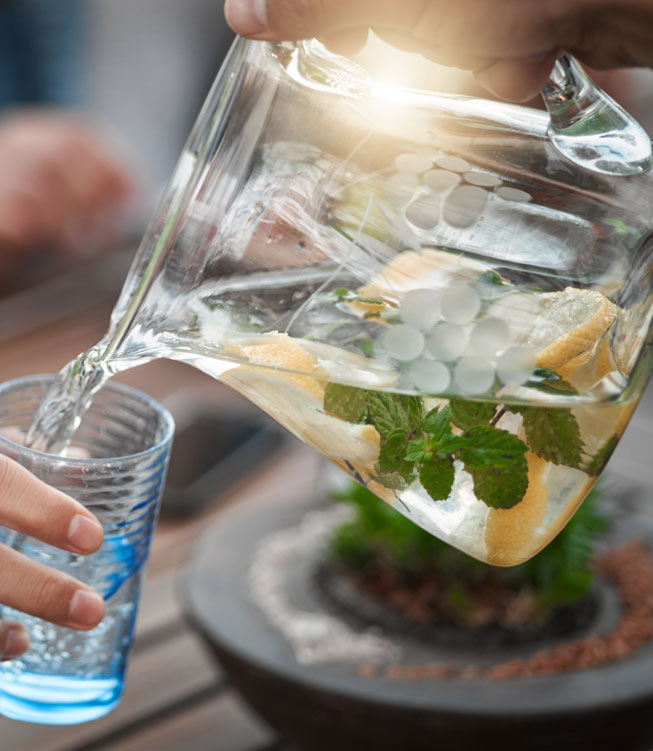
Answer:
(482, 179)
(413, 164)
(515, 366)
(460, 304)
(446, 342)
(420, 308)
(453, 163)
(473, 375)
(489, 336)
(514, 194)
(424, 212)
(399, 188)
(440, 180)
(464, 205)
(430, 376)
(403, 342)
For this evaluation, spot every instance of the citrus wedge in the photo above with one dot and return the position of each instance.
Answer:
(509, 533)
(558, 326)
(424, 269)
(295, 399)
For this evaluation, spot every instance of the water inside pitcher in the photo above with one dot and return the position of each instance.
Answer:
(449, 298)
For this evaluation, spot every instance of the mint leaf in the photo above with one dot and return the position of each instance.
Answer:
(501, 487)
(392, 456)
(599, 460)
(346, 402)
(436, 477)
(390, 412)
(490, 447)
(553, 434)
(366, 346)
(394, 481)
(419, 451)
(466, 414)
(557, 387)
(549, 382)
(437, 424)
(490, 277)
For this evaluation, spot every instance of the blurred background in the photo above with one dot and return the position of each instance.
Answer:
(115, 82)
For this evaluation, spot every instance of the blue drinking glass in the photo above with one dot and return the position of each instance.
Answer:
(70, 676)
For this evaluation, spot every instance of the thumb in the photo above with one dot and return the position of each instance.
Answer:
(516, 80)
(291, 20)
(467, 33)
(13, 640)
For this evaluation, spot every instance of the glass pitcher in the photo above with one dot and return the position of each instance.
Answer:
(447, 297)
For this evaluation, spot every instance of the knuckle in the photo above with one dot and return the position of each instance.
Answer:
(46, 592)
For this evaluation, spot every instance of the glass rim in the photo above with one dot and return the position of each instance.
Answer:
(162, 411)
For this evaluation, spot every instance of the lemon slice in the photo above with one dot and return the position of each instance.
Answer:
(557, 326)
(295, 399)
(424, 269)
(567, 330)
(509, 533)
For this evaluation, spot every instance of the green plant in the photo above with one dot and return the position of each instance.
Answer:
(378, 536)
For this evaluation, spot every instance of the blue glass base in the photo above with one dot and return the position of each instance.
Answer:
(53, 700)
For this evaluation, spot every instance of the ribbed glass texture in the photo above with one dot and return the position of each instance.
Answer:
(69, 676)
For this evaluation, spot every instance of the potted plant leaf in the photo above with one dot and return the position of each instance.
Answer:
(346, 625)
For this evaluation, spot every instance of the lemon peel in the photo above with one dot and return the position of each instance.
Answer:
(295, 400)
(509, 537)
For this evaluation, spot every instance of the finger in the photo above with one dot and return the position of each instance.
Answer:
(516, 80)
(454, 58)
(37, 590)
(13, 640)
(29, 506)
(346, 42)
(483, 28)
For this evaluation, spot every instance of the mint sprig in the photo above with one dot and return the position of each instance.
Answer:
(414, 444)
(494, 458)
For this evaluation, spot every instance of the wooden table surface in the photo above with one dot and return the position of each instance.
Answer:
(175, 695)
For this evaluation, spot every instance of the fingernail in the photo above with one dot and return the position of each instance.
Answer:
(247, 17)
(86, 608)
(84, 534)
(16, 642)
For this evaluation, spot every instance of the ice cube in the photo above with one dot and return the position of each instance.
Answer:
(453, 163)
(482, 179)
(430, 376)
(413, 164)
(440, 180)
(420, 308)
(460, 304)
(424, 211)
(514, 194)
(464, 204)
(446, 342)
(403, 342)
(515, 366)
(489, 336)
(473, 375)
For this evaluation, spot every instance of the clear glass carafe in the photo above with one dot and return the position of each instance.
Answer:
(433, 291)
